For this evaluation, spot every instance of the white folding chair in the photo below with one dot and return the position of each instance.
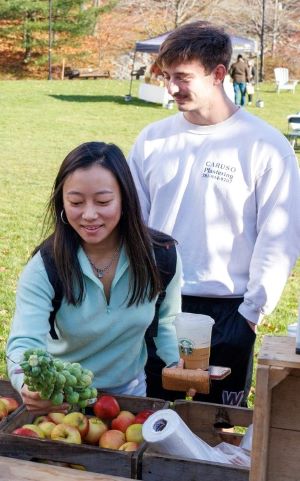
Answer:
(294, 129)
(282, 80)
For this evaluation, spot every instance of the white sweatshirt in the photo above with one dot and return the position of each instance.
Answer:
(230, 194)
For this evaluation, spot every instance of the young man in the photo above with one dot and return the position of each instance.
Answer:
(239, 73)
(226, 185)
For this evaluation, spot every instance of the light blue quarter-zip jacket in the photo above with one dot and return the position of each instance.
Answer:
(107, 338)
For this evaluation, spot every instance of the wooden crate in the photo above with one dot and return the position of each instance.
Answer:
(92, 458)
(19, 470)
(205, 420)
(6, 390)
(276, 427)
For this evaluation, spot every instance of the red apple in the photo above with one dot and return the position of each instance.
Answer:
(96, 428)
(79, 421)
(66, 433)
(57, 418)
(134, 433)
(3, 410)
(141, 417)
(30, 430)
(47, 427)
(122, 421)
(129, 446)
(112, 439)
(10, 403)
(25, 432)
(106, 407)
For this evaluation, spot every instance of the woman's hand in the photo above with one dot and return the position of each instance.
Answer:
(36, 405)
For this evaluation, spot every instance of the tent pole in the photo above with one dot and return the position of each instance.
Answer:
(128, 97)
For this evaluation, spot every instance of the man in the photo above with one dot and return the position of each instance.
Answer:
(226, 185)
(240, 75)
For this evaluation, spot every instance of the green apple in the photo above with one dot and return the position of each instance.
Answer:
(66, 434)
(134, 433)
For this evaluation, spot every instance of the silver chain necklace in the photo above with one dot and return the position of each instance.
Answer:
(100, 271)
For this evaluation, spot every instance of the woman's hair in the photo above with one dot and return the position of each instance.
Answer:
(199, 40)
(64, 241)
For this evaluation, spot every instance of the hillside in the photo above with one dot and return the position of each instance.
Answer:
(110, 48)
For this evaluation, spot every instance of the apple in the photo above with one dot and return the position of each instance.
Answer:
(129, 446)
(40, 419)
(26, 432)
(106, 407)
(134, 433)
(112, 439)
(47, 427)
(141, 417)
(10, 403)
(79, 421)
(57, 418)
(3, 410)
(96, 428)
(122, 421)
(66, 433)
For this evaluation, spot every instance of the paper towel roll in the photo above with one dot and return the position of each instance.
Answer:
(167, 433)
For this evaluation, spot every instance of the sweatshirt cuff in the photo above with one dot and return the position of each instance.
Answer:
(251, 313)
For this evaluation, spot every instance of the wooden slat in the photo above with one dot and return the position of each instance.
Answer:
(279, 351)
(19, 470)
(284, 455)
(261, 422)
(170, 468)
(285, 409)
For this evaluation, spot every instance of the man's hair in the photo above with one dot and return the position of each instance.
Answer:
(201, 41)
(239, 57)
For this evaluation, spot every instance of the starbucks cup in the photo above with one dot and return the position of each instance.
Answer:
(194, 339)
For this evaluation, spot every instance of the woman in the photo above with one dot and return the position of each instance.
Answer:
(104, 258)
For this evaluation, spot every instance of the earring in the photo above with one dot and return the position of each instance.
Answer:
(62, 218)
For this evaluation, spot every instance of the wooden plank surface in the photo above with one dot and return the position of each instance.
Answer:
(157, 467)
(279, 351)
(19, 470)
(261, 424)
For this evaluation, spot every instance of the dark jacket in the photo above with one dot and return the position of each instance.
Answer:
(239, 72)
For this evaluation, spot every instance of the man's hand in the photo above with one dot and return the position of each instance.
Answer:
(253, 326)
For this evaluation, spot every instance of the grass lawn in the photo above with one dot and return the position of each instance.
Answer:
(41, 121)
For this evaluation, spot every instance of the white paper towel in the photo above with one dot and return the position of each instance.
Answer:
(167, 433)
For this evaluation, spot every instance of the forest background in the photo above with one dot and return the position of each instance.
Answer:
(102, 33)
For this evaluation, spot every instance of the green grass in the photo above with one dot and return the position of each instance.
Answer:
(41, 121)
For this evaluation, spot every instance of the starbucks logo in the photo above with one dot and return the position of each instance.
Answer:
(185, 346)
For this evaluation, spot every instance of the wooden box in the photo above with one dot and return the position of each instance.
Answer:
(206, 421)
(6, 390)
(276, 427)
(91, 458)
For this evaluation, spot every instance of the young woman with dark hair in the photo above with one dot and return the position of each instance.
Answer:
(103, 255)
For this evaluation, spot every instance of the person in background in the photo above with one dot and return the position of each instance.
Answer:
(240, 76)
(103, 254)
(226, 185)
(251, 81)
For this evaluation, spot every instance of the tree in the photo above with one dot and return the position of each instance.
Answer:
(30, 20)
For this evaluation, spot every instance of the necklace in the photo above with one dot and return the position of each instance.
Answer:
(100, 271)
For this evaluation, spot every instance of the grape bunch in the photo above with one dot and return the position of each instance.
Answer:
(57, 380)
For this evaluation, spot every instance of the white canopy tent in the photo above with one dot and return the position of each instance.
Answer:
(240, 45)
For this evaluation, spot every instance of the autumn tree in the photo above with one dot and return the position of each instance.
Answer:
(29, 20)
